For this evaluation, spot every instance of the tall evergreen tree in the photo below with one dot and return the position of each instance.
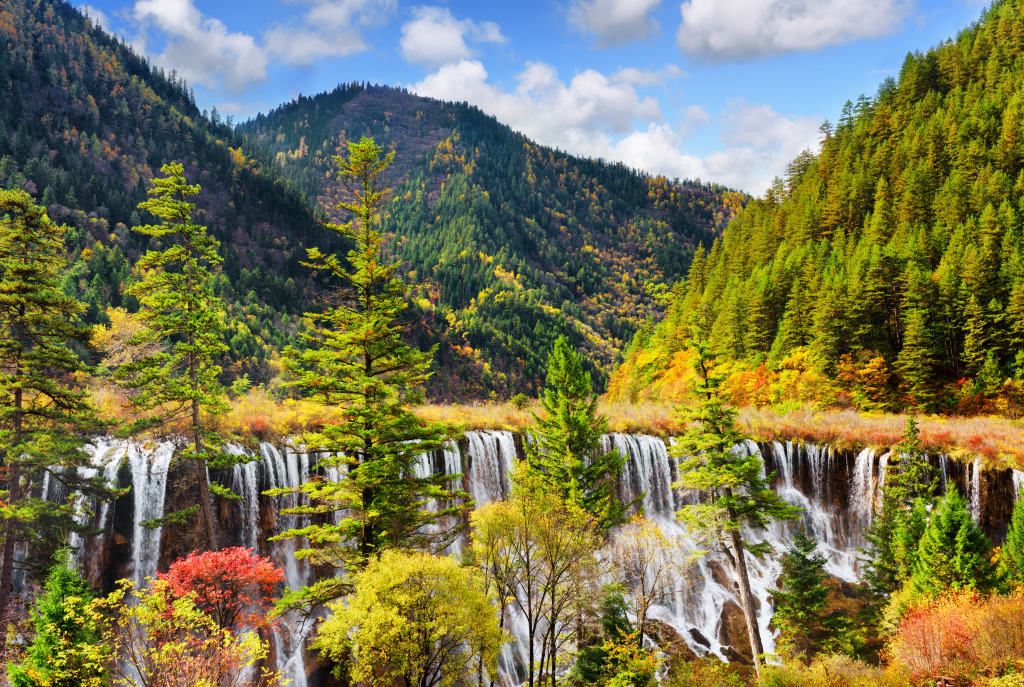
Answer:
(180, 383)
(356, 360)
(734, 492)
(44, 422)
(953, 553)
(568, 452)
(1011, 557)
(804, 628)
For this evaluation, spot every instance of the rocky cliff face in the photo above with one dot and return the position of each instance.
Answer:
(836, 488)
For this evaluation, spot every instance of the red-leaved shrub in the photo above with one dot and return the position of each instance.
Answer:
(234, 586)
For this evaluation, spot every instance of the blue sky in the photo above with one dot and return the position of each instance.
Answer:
(721, 90)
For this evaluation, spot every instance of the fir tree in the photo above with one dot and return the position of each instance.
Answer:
(65, 649)
(356, 360)
(953, 553)
(567, 452)
(735, 496)
(178, 306)
(44, 423)
(804, 628)
(1011, 557)
(916, 361)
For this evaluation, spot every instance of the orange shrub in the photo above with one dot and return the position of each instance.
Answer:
(961, 635)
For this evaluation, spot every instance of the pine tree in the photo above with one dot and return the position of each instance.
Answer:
(804, 628)
(953, 553)
(1011, 557)
(567, 452)
(44, 423)
(916, 361)
(65, 649)
(735, 496)
(178, 306)
(356, 359)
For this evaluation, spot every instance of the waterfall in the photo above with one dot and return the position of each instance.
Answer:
(491, 459)
(245, 482)
(974, 490)
(862, 497)
(149, 482)
(1018, 484)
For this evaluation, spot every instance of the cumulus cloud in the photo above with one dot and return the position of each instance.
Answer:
(744, 29)
(201, 48)
(329, 28)
(603, 116)
(97, 15)
(434, 37)
(647, 77)
(613, 22)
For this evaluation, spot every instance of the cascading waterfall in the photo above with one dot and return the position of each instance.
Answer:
(699, 600)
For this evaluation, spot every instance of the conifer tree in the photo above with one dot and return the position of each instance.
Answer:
(735, 496)
(180, 383)
(356, 360)
(915, 361)
(953, 553)
(1011, 557)
(64, 651)
(567, 453)
(44, 421)
(804, 628)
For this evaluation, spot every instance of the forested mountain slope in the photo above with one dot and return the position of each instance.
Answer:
(892, 262)
(508, 243)
(85, 123)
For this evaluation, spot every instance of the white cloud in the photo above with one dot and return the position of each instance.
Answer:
(744, 29)
(96, 15)
(647, 77)
(434, 37)
(597, 116)
(330, 28)
(614, 22)
(201, 48)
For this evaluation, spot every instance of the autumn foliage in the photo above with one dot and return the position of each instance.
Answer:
(233, 586)
(961, 635)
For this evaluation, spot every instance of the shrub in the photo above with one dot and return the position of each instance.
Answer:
(704, 672)
(834, 670)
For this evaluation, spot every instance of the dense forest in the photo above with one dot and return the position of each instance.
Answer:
(510, 244)
(885, 271)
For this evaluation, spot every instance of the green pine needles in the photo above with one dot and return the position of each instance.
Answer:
(568, 453)
(44, 421)
(179, 386)
(355, 358)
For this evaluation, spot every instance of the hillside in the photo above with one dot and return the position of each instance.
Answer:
(509, 244)
(886, 271)
(85, 123)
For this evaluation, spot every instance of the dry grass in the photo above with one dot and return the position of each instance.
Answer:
(259, 416)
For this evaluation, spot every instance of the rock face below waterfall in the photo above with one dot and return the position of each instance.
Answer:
(837, 490)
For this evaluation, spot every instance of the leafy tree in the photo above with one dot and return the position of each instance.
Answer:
(357, 360)
(178, 307)
(734, 493)
(568, 452)
(953, 553)
(233, 586)
(64, 651)
(804, 628)
(1011, 557)
(155, 640)
(414, 618)
(650, 562)
(44, 421)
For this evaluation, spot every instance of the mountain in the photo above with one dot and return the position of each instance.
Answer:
(505, 244)
(508, 244)
(85, 123)
(887, 270)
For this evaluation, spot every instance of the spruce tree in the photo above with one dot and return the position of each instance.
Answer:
(734, 494)
(953, 553)
(356, 360)
(65, 649)
(804, 628)
(1011, 557)
(567, 452)
(180, 383)
(44, 421)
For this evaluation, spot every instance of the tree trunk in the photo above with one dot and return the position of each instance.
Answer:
(746, 600)
(7, 568)
(205, 506)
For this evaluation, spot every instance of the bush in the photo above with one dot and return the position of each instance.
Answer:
(704, 672)
(962, 635)
(835, 670)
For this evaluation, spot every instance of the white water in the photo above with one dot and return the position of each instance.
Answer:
(974, 490)
(1018, 484)
(149, 482)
